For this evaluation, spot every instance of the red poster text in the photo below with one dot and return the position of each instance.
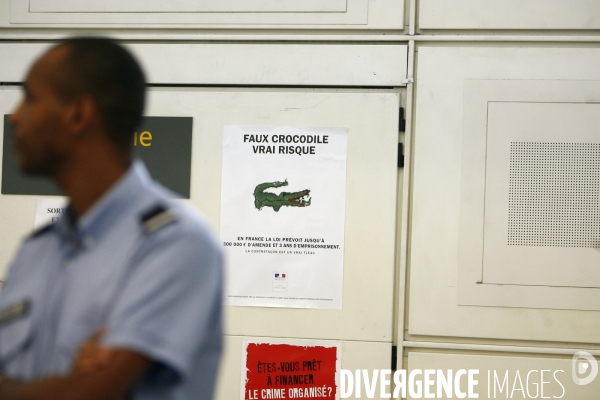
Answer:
(283, 371)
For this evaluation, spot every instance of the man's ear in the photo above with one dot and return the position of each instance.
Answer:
(82, 115)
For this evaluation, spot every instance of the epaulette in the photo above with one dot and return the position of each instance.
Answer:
(14, 311)
(156, 218)
(41, 231)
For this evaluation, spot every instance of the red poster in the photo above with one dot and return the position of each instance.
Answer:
(286, 371)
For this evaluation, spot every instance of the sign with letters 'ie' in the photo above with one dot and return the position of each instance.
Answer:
(163, 143)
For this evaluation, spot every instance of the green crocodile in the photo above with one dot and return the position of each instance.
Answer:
(276, 201)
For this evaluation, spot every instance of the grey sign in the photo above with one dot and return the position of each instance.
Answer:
(163, 143)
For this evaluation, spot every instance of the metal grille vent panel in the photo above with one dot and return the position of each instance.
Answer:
(554, 194)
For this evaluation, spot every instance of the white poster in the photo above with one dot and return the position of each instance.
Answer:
(283, 202)
(48, 211)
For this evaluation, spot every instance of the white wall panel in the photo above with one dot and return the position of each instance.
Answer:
(542, 224)
(246, 64)
(442, 73)
(324, 14)
(371, 118)
(181, 6)
(509, 14)
(557, 373)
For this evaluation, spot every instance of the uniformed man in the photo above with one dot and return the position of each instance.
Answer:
(121, 298)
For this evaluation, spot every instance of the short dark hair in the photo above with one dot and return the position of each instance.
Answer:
(103, 69)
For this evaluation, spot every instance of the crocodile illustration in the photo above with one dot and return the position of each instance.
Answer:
(276, 201)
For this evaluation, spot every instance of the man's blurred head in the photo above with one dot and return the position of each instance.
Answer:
(80, 87)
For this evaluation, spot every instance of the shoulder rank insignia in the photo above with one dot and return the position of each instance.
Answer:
(156, 218)
(14, 311)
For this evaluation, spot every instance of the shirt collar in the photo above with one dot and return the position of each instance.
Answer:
(108, 208)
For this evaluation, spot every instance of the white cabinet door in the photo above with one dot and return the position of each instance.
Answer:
(509, 14)
(371, 119)
(188, 14)
(266, 64)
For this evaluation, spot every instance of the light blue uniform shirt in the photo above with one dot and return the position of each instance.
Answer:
(138, 263)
